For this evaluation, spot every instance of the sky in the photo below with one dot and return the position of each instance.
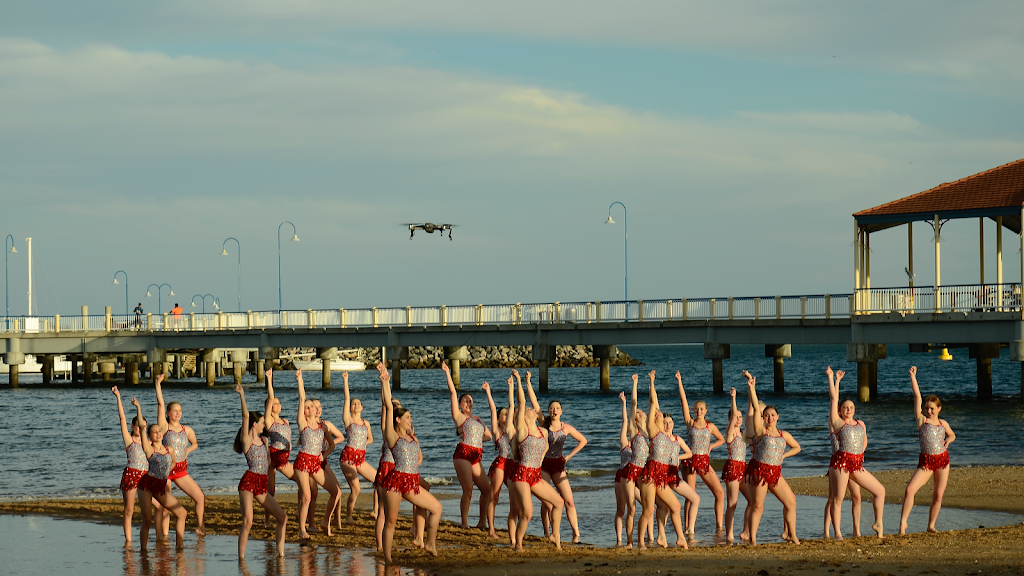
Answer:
(741, 136)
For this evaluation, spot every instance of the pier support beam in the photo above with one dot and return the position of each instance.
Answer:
(12, 375)
(73, 360)
(209, 357)
(157, 359)
(14, 359)
(717, 352)
(326, 355)
(179, 365)
(983, 355)
(605, 352)
(866, 356)
(778, 352)
(47, 367)
(260, 365)
(107, 369)
(544, 355)
(131, 370)
(238, 358)
(87, 360)
(456, 354)
(395, 355)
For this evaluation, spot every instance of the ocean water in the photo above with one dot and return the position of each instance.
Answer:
(65, 442)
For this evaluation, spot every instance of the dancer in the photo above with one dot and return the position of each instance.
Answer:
(622, 497)
(654, 481)
(680, 451)
(403, 482)
(935, 436)
(279, 436)
(500, 465)
(553, 467)
(764, 471)
(640, 449)
(530, 446)
(137, 464)
(699, 433)
(853, 490)
(384, 467)
(181, 440)
(155, 485)
(308, 461)
(353, 457)
(848, 462)
(325, 463)
(253, 485)
(732, 472)
(469, 452)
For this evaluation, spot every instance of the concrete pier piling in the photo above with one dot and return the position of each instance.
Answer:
(983, 355)
(209, 357)
(47, 367)
(866, 356)
(543, 355)
(87, 360)
(716, 352)
(326, 355)
(238, 359)
(107, 368)
(395, 355)
(14, 358)
(456, 354)
(179, 365)
(606, 352)
(12, 375)
(778, 352)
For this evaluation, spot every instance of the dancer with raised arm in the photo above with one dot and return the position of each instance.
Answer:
(385, 465)
(530, 447)
(137, 464)
(654, 480)
(935, 436)
(499, 420)
(848, 462)
(182, 441)
(253, 485)
(353, 457)
(703, 437)
(279, 436)
(680, 452)
(308, 461)
(326, 448)
(622, 497)
(764, 471)
(404, 482)
(469, 452)
(553, 467)
(735, 466)
(640, 450)
(155, 485)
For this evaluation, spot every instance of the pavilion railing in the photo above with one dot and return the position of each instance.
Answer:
(943, 299)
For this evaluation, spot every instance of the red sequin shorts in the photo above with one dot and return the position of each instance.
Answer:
(673, 476)
(309, 463)
(155, 486)
(498, 464)
(279, 458)
(733, 470)
(469, 453)
(402, 482)
(253, 482)
(620, 474)
(352, 456)
(655, 473)
(553, 466)
(847, 462)
(526, 474)
(758, 473)
(130, 478)
(383, 470)
(933, 462)
(632, 472)
(698, 463)
(180, 470)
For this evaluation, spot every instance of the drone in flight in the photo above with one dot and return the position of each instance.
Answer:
(430, 228)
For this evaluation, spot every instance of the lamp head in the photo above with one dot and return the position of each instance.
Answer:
(148, 295)
(115, 281)
(295, 237)
(223, 251)
(13, 250)
(609, 220)
(172, 293)
(193, 303)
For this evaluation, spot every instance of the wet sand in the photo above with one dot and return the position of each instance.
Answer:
(472, 553)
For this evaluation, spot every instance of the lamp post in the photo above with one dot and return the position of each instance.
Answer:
(295, 238)
(216, 301)
(159, 291)
(125, 288)
(7, 284)
(224, 252)
(625, 241)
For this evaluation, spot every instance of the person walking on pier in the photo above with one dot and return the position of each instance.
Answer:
(553, 468)
(253, 485)
(469, 452)
(353, 457)
(138, 316)
(935, 436)
(181, 440)
(848, 461)
(703, 437)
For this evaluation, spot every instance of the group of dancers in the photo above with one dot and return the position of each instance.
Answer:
(655, 465)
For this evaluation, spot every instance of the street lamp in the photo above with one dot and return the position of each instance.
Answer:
(224, 252)
(125, 288)
(159, 291)
(216, 301)
(295, 238)
(625, 241)
(7, 284)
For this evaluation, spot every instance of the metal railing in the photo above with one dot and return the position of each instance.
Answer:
(929, 299)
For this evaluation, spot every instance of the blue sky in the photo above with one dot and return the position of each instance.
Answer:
(741, 136)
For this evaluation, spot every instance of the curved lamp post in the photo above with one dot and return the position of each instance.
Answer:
(224, 252)
(125, 288)
(295, 238)
(159, 292)
(625, 241)
(216, 301)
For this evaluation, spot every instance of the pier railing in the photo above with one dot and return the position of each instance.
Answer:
(926, 299)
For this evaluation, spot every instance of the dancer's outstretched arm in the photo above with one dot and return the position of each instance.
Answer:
(682, 400)
(246, 441)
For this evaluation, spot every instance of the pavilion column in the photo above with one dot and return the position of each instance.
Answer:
(867, 268)
(999, 262)
(938, 264)
(981, 248)
(1022, 250)
(856, 265)
(910, 265)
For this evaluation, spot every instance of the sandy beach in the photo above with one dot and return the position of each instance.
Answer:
(472, 553)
